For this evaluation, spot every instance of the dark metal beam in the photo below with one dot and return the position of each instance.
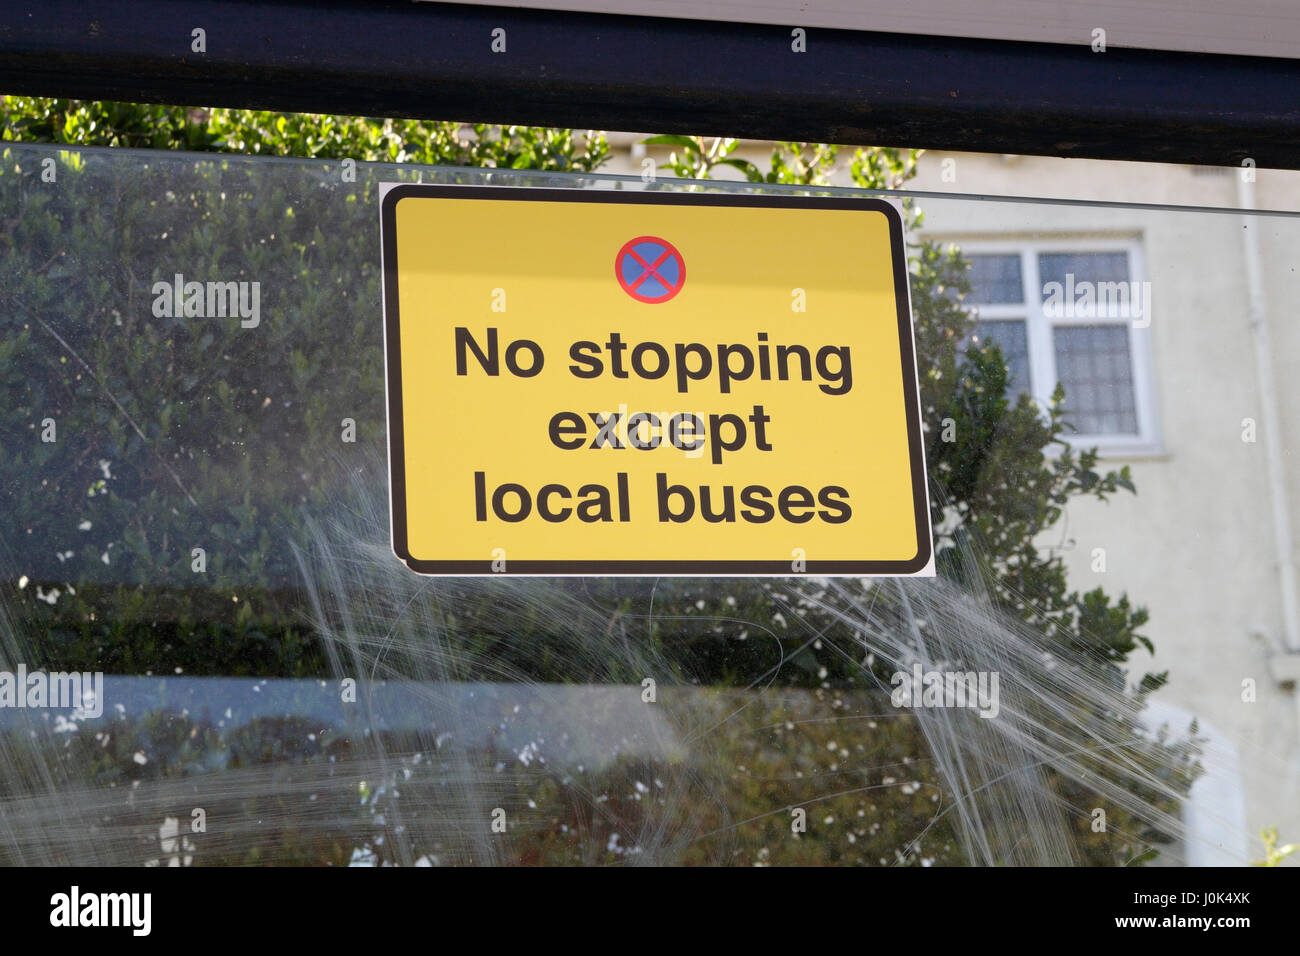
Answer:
(433, 60)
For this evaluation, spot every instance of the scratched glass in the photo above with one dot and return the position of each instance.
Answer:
(193, 480)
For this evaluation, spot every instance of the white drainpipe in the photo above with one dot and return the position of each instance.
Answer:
(1268, 414)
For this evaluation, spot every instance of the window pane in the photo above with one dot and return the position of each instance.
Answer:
(1011, 337)
(1093, 363)
(1091, 285)
(995, 280)
(1083, 266)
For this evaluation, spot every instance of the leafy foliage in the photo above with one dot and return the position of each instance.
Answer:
(1274, 854)
(317, 136)
(792, 164)
(175, 435)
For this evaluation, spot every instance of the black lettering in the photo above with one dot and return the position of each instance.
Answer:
(842, 375)
(728, 504)
(616, 345)
(480, 496)
(594, 366)
(675, 436)
(719, 444)
(787, 503)
(595, 508)
(726, 373)
(634, 424)
(783, 352)
(750, 497)
(512, 358)
(760, 419)
(684, 373)
(607, 434)
(828, 498)
(490, 363)
(525, 502)
(543, 508)
(661, 357)
(665, 493)
(567, 423)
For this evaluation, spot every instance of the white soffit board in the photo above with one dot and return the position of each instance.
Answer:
(1244, 27)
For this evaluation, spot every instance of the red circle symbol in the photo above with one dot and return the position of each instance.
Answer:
(650, 269)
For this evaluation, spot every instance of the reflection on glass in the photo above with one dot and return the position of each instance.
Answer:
(203, 529)
(1093, 363)
(1009, 335)
(995, 280)
(1073, 268)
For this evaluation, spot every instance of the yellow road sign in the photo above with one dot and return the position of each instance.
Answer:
(644, 382)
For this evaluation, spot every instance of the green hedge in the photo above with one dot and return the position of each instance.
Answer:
(175, 434)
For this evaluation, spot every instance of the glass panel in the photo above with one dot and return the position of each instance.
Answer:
(188, 515)
(1093, 363)
(995, 280)
(1089, 285)
(1010, 336)
(1076, 267)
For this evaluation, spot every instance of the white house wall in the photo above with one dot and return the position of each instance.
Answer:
(1195, 545)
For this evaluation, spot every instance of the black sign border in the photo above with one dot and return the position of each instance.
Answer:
(783, 567)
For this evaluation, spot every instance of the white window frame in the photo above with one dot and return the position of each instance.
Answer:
(1039, 328)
